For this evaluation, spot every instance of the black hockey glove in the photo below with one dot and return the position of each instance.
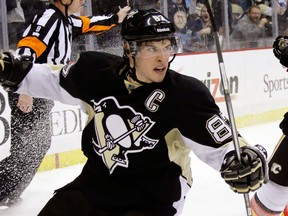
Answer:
(13, 69)
(284, 124)
(248, 174)
(280, 49)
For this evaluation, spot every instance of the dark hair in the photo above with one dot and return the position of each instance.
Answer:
(253, 6)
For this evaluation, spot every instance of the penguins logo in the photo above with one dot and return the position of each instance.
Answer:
(119, 130)
(180, 19)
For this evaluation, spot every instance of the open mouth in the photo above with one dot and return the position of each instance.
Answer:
(159, 69)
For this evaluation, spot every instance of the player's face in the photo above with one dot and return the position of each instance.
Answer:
(152, 60)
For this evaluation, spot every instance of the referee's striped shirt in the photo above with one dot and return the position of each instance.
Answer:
(48, 38)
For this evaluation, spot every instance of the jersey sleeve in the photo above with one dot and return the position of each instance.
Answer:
(96, 24)
(204, 129)
(90, 74)
(42, 81)
(198, 116)
(38, 34)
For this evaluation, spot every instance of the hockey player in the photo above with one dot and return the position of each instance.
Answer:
(271, 199)
(145, 120)
(47, 40)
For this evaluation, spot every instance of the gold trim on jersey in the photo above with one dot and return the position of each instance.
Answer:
(179, 153)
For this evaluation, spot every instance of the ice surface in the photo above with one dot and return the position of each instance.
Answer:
(209, 194)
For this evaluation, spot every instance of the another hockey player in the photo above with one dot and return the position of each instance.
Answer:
(47, 40)
(145, 120)
(271, 199)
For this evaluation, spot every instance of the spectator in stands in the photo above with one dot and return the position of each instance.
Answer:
(266, 10)
(249, 29)
(237, 11)
(282, 17)
(177, 12)
(201, 32)
(46, 40)
(244, 4)
(282, 14)
(191, 6)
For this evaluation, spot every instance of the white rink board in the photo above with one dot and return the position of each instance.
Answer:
(67, 125)
(259, 84)
(262, 83)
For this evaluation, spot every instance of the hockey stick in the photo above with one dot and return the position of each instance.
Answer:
(225, 85)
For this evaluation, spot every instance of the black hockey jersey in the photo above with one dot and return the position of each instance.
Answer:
(138, 142)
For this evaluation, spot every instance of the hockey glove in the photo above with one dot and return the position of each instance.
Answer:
(13, 69)
(280, 49)
(284, 124)
(248, 174)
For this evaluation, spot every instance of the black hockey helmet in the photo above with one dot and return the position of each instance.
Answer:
(143, 25)
(147, 25)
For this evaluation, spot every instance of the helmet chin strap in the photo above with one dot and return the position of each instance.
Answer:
(132, 73)
(174, 55)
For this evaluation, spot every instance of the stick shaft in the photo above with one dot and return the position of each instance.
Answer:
(229, 107)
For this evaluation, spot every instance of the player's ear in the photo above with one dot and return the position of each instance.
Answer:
(127, 53)
(126, 48)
